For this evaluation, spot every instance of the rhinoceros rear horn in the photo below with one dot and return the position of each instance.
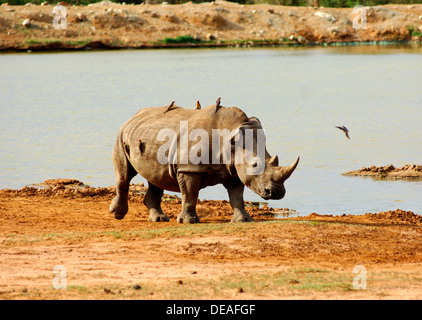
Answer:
(283, 173)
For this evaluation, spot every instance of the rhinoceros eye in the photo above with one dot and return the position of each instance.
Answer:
(255, 164)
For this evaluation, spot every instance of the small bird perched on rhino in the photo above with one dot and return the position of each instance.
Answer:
(217, 103)
(165, 141)
(170, 106)
(198, 105)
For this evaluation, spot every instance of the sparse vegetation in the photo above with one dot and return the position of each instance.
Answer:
(414, 31)
(180, 39)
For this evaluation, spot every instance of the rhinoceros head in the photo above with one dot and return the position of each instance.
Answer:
(269, 184)
(256, 168)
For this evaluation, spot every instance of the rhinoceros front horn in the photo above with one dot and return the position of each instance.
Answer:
(283, 173)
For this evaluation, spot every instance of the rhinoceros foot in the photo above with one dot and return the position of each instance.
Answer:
(158, 217)
(118, 207)
(188, 218)
(245, 217)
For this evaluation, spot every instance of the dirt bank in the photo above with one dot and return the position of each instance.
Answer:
(220, 23)
(67, 224)
(409, 171)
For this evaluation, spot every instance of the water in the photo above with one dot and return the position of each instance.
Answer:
(60, 114)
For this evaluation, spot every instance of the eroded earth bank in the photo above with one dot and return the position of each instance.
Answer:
(219, 23)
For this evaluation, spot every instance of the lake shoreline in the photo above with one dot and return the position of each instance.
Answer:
(75, 189)
(100, 46)
(107, 26)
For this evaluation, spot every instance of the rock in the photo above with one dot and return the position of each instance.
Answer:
(104, 3)
(326, 15)
(197, 37)
(409, 171)
(385, 12)
(26, 23)
(107, 291)
(209, 36)
(302, 39)
(80, 16)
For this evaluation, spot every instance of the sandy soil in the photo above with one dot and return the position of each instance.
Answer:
(313, 257)
(220, 23)
(409, 171)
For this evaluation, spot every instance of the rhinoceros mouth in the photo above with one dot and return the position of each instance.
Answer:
(271, 194)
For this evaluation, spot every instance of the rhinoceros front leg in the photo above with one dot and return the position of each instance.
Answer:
(235, 189)
(152, 201)
(189, 184)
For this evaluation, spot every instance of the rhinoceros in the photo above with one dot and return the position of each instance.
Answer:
(156, 143)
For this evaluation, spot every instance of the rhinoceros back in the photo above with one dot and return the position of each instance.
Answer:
(139, 139)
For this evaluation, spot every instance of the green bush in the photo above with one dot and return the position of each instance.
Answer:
(179, 39)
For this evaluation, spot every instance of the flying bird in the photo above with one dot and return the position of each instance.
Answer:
(345, 130)
(198, 105)
(170, 106)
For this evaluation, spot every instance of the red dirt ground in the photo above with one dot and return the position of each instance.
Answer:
(309, 257)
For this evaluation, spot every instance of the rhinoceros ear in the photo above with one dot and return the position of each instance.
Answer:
(255, 121)
(273, 161)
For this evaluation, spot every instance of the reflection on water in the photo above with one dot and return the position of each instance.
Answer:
(60, 114)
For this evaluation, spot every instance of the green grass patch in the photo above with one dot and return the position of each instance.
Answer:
(414, 32)
(183, 230)
(32, 41)
(81, 43)
(179, 231)
(77, 288)
(179, 39)
(290, 282)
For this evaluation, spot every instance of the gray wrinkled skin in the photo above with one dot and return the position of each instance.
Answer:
(136, 148)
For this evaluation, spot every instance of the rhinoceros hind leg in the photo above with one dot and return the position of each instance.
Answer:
(152, 201)
(189, 184)
(124, 173)
(235, 189)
